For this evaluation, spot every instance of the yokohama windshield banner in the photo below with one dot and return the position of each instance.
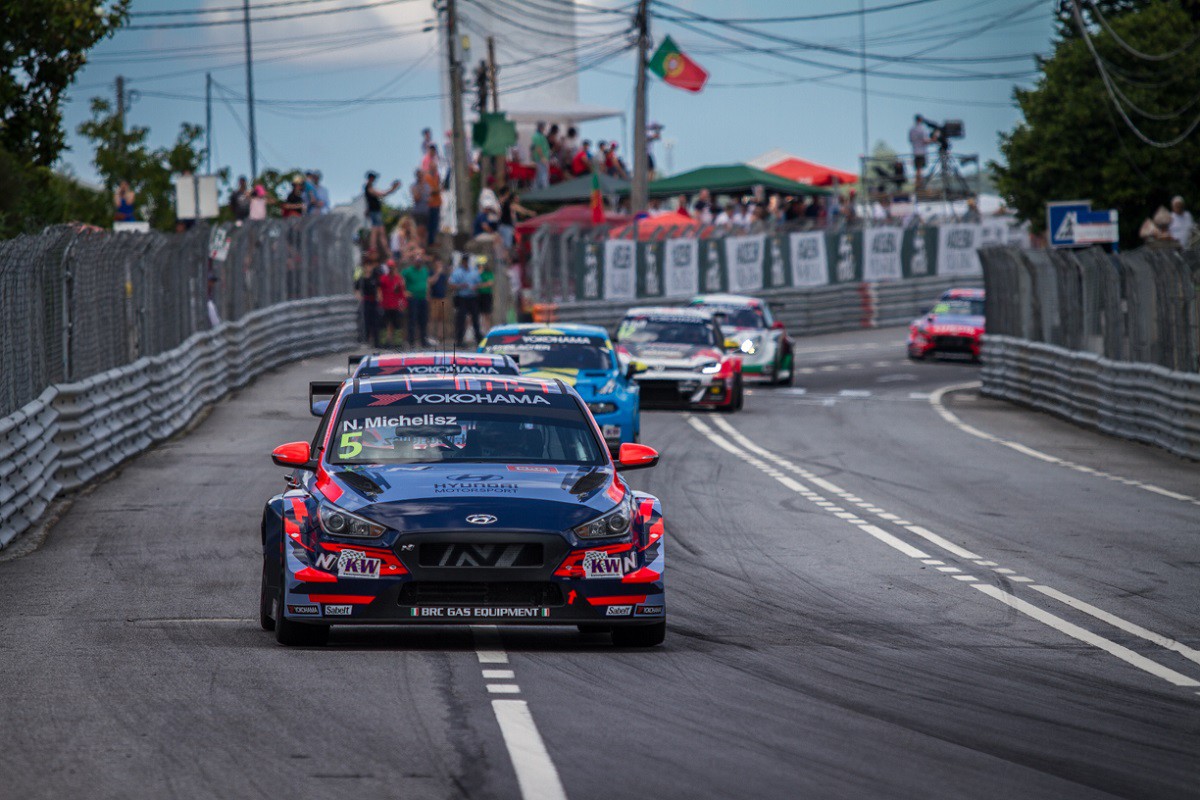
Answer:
(681, 268)
(956, 253)
(810, 261)
(620, 270)
(881, 254)
(744, 257)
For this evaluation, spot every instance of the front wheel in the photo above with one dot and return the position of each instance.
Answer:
(640, 636)
(265, 601)
(296, 634)
(787, 365)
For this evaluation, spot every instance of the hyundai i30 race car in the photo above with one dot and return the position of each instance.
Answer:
(683, 352)
(763, 342)
(581, 356)
(383, 365)
(954, 325)
(439, 500)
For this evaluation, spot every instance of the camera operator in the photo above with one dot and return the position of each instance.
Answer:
(919, 141)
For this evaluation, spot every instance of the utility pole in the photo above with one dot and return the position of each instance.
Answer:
(462, 185)
(120, 143)
(208, 122)
(481, 105)
(864, 194)
(500, 165)
(250, 92)
(641, 161)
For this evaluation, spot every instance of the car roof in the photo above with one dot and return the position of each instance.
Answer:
(434, 383)
(726, 300)
(436, 359)
(698, 314)
(554, 329)
(957, 293)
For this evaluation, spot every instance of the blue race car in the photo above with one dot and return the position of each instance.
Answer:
(461, 500)
(581, 356)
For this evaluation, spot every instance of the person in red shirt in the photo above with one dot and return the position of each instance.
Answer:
(581, 164)
(391, 305)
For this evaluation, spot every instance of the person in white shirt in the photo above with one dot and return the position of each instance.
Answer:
(1181, 222)
(918, 139)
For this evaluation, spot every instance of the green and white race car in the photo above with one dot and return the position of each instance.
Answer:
(766, 349)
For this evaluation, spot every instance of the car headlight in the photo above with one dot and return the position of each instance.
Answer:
(339, 522)
(602, 408)
(612, 523)
(748, 347)
(711, 367)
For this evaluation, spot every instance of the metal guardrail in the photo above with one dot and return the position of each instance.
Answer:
(1144, 402)
(824, 309)
(75, 432)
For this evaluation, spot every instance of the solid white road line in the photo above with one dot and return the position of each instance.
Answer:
(935, 400)
(1117, 622)
(536, 773)
(1083, 635)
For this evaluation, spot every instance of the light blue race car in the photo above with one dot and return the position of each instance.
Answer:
(582, 356)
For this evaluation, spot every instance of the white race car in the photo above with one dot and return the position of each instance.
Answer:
(765, 347)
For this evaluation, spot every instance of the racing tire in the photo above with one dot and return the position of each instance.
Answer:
(265, 601)
(914, 357)
(789, 359)
(640, 636)
(297, 634)
(739, 397)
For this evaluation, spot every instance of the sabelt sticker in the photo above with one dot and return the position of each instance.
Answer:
(338, 611)
(618, 611)
(649, 611)
(312, 611)
(461, 612)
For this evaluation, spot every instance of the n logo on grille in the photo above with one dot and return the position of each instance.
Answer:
(482, 555)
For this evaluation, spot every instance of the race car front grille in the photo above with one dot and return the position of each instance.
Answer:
(481, 593)
(500, 556)
(661, 393)
(953, 344)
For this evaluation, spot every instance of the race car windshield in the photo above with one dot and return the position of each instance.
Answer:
(642, 330)
(742, 317)
(973, 308)
(552, 352)
(455, 426)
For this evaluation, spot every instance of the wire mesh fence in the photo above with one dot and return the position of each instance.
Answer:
(76, 302)
(1139, 306)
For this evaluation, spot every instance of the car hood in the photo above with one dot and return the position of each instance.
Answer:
(954, 321)
(664, 353)
(586, 382)
(424, 497)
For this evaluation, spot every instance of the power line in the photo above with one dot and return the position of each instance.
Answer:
(808, 17)
(223, 9)
(1183, 48)
(272, 18)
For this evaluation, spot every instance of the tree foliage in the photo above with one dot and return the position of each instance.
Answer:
(1073, 144)
(43, 43)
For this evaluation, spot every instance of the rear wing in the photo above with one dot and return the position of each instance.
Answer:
(320, 393)
(353, 360)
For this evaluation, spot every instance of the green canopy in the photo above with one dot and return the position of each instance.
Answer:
(729, 179)
(575, 190)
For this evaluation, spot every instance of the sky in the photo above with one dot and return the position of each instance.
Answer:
(376, 75)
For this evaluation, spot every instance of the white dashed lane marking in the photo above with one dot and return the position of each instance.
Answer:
(536, 773)
(777, 467)
(936, 398)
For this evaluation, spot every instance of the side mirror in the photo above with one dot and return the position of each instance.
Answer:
(777, 325)
(732, 344)
(293, 454)
(633, 369)
(636, 456)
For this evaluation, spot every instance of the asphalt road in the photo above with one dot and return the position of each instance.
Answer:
(877, 589)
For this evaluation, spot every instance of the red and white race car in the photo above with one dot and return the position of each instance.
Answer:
(952, 327)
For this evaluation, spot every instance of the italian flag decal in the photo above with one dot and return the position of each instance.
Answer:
(675, 68)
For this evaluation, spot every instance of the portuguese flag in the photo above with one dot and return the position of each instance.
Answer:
(670, 64)
(597, 203)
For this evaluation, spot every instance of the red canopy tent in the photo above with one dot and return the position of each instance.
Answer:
(648, 226)
(565, 217)
(801, 171)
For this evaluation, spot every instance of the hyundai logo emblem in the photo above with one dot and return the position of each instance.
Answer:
(481, 519)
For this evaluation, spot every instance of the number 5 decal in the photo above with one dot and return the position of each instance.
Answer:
(350, 446)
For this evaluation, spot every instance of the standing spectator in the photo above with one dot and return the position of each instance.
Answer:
(1181, 222)
(464, 282)
(426, 143)
(570, 145)
(510, 209)
(1156, 231)
(319, 197)
(439, 314)
(918, 139)
(420, 204)
(653, 134)
(258, 203)
(123, 200)
(972, 213)
(539, 154)
(581, 162)
(416, 289)
(702, 208)
(487, 283)
(681, 205)
(434, 184)
(293, 205)
(555, 141)
(367, 289)
(239, 201)
(374, 198)
(391, 303)
(487, 197)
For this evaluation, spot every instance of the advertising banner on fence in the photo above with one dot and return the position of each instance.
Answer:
(711, 269)
(881, 254)
(847, 256)
(956, 250)
(681, 267)
(620, 271)
(810, 263)
(650, 281)
(919, 246)
(777, 271)
(587, 285)
(744, 255)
